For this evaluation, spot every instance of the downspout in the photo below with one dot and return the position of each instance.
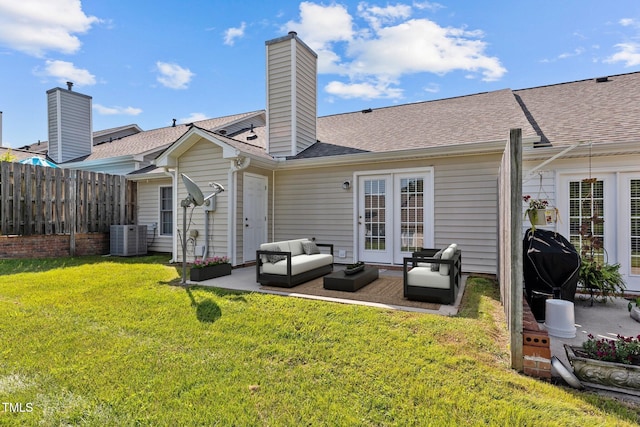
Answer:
(273, 205)
(237, 164)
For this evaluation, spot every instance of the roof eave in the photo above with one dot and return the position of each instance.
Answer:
(469, 149)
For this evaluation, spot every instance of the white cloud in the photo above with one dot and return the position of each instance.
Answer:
(629, 53)
(377, 16)
(389, 45)
(576, 52)
(365, 90)
(112, 111)
(626, 22)
(321, 26)
(231, 34)
(64, 71)
(427, 5)
(193, 117)
(37, 26)
(173, 76)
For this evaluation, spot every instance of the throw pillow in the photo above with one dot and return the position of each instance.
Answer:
(310, 248)
(434, 265)
(273, 258)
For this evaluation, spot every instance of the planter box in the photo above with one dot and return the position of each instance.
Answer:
(209, 272)
(610, 376)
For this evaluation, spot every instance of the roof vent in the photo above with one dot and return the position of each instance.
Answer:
(293, 33)
(174, 123)
(602, 79)
(222, 131)
(69, 85)
(252, 135)
(368, 110)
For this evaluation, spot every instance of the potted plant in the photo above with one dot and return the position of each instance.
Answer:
(609, 363)
(596, 275)
(539, 212)
(634, 309)
(354, 268)
(209, 268)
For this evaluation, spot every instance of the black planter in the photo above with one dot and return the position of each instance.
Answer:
(209, 272)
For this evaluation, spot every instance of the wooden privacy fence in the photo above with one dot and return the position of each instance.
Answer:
(41, 200)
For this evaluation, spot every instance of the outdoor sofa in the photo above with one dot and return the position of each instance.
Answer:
(433, 275)
(290, 262)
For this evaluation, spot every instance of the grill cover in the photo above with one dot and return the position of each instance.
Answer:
(551, 265)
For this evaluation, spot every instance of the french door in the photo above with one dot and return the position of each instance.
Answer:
(395, 215)
(630, 219)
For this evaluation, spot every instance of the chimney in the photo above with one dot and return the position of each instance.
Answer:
(291, 95)
(70, 124)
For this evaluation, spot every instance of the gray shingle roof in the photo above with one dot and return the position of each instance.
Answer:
(157, 138)
(467, 119)
(586, 111)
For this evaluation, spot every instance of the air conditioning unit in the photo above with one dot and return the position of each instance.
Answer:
(128, 240)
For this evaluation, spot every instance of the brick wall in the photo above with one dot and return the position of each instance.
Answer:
(53, 245)
(536, 349)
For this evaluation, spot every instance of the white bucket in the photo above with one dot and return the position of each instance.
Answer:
(560, 318)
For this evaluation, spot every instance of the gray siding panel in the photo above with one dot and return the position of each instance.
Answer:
(70, 128)
(311, 203)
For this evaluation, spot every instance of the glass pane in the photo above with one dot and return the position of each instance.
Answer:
(411, 214)
(634, 217)
(375, 214)
(586, 215)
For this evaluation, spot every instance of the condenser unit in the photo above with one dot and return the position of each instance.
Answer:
(128, 240)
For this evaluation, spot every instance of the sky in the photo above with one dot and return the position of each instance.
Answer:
(150, 61)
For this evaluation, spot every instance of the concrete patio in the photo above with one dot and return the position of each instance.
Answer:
(244, 279)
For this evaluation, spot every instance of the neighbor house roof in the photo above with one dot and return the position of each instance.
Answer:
(156, 139)
(595, 110)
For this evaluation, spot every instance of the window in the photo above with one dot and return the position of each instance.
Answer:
(586, 201)
(166, 210)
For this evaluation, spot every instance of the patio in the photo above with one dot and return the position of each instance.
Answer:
(386, 292)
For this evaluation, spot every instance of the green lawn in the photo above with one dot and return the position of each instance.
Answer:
(113, 342)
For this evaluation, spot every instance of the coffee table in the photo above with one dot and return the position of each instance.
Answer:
(338, 281)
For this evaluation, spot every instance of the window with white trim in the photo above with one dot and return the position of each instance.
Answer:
(586, 203)
(166, 211)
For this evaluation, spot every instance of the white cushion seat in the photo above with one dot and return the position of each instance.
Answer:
(424, 277)
(299, 264)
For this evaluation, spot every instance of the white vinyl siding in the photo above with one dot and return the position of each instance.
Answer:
(149, 213)
(312, 203)
(291, 96)
(203, 163)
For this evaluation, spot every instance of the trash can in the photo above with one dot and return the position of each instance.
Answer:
(550, 265)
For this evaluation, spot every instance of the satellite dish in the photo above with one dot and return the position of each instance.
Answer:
(194, 191)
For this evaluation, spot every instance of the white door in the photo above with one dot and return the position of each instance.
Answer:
(395, 215)
(375, 218)
(254, 211)
(630, 226)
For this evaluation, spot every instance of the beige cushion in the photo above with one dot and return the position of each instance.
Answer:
(299, 264)
(447, 254)
(424, 277)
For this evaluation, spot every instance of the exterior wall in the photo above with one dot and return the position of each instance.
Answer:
(291, 96)
(203, 163)
(311, 203)
(149, 213)
(70, 129)
(616, 219)
(279, 99)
